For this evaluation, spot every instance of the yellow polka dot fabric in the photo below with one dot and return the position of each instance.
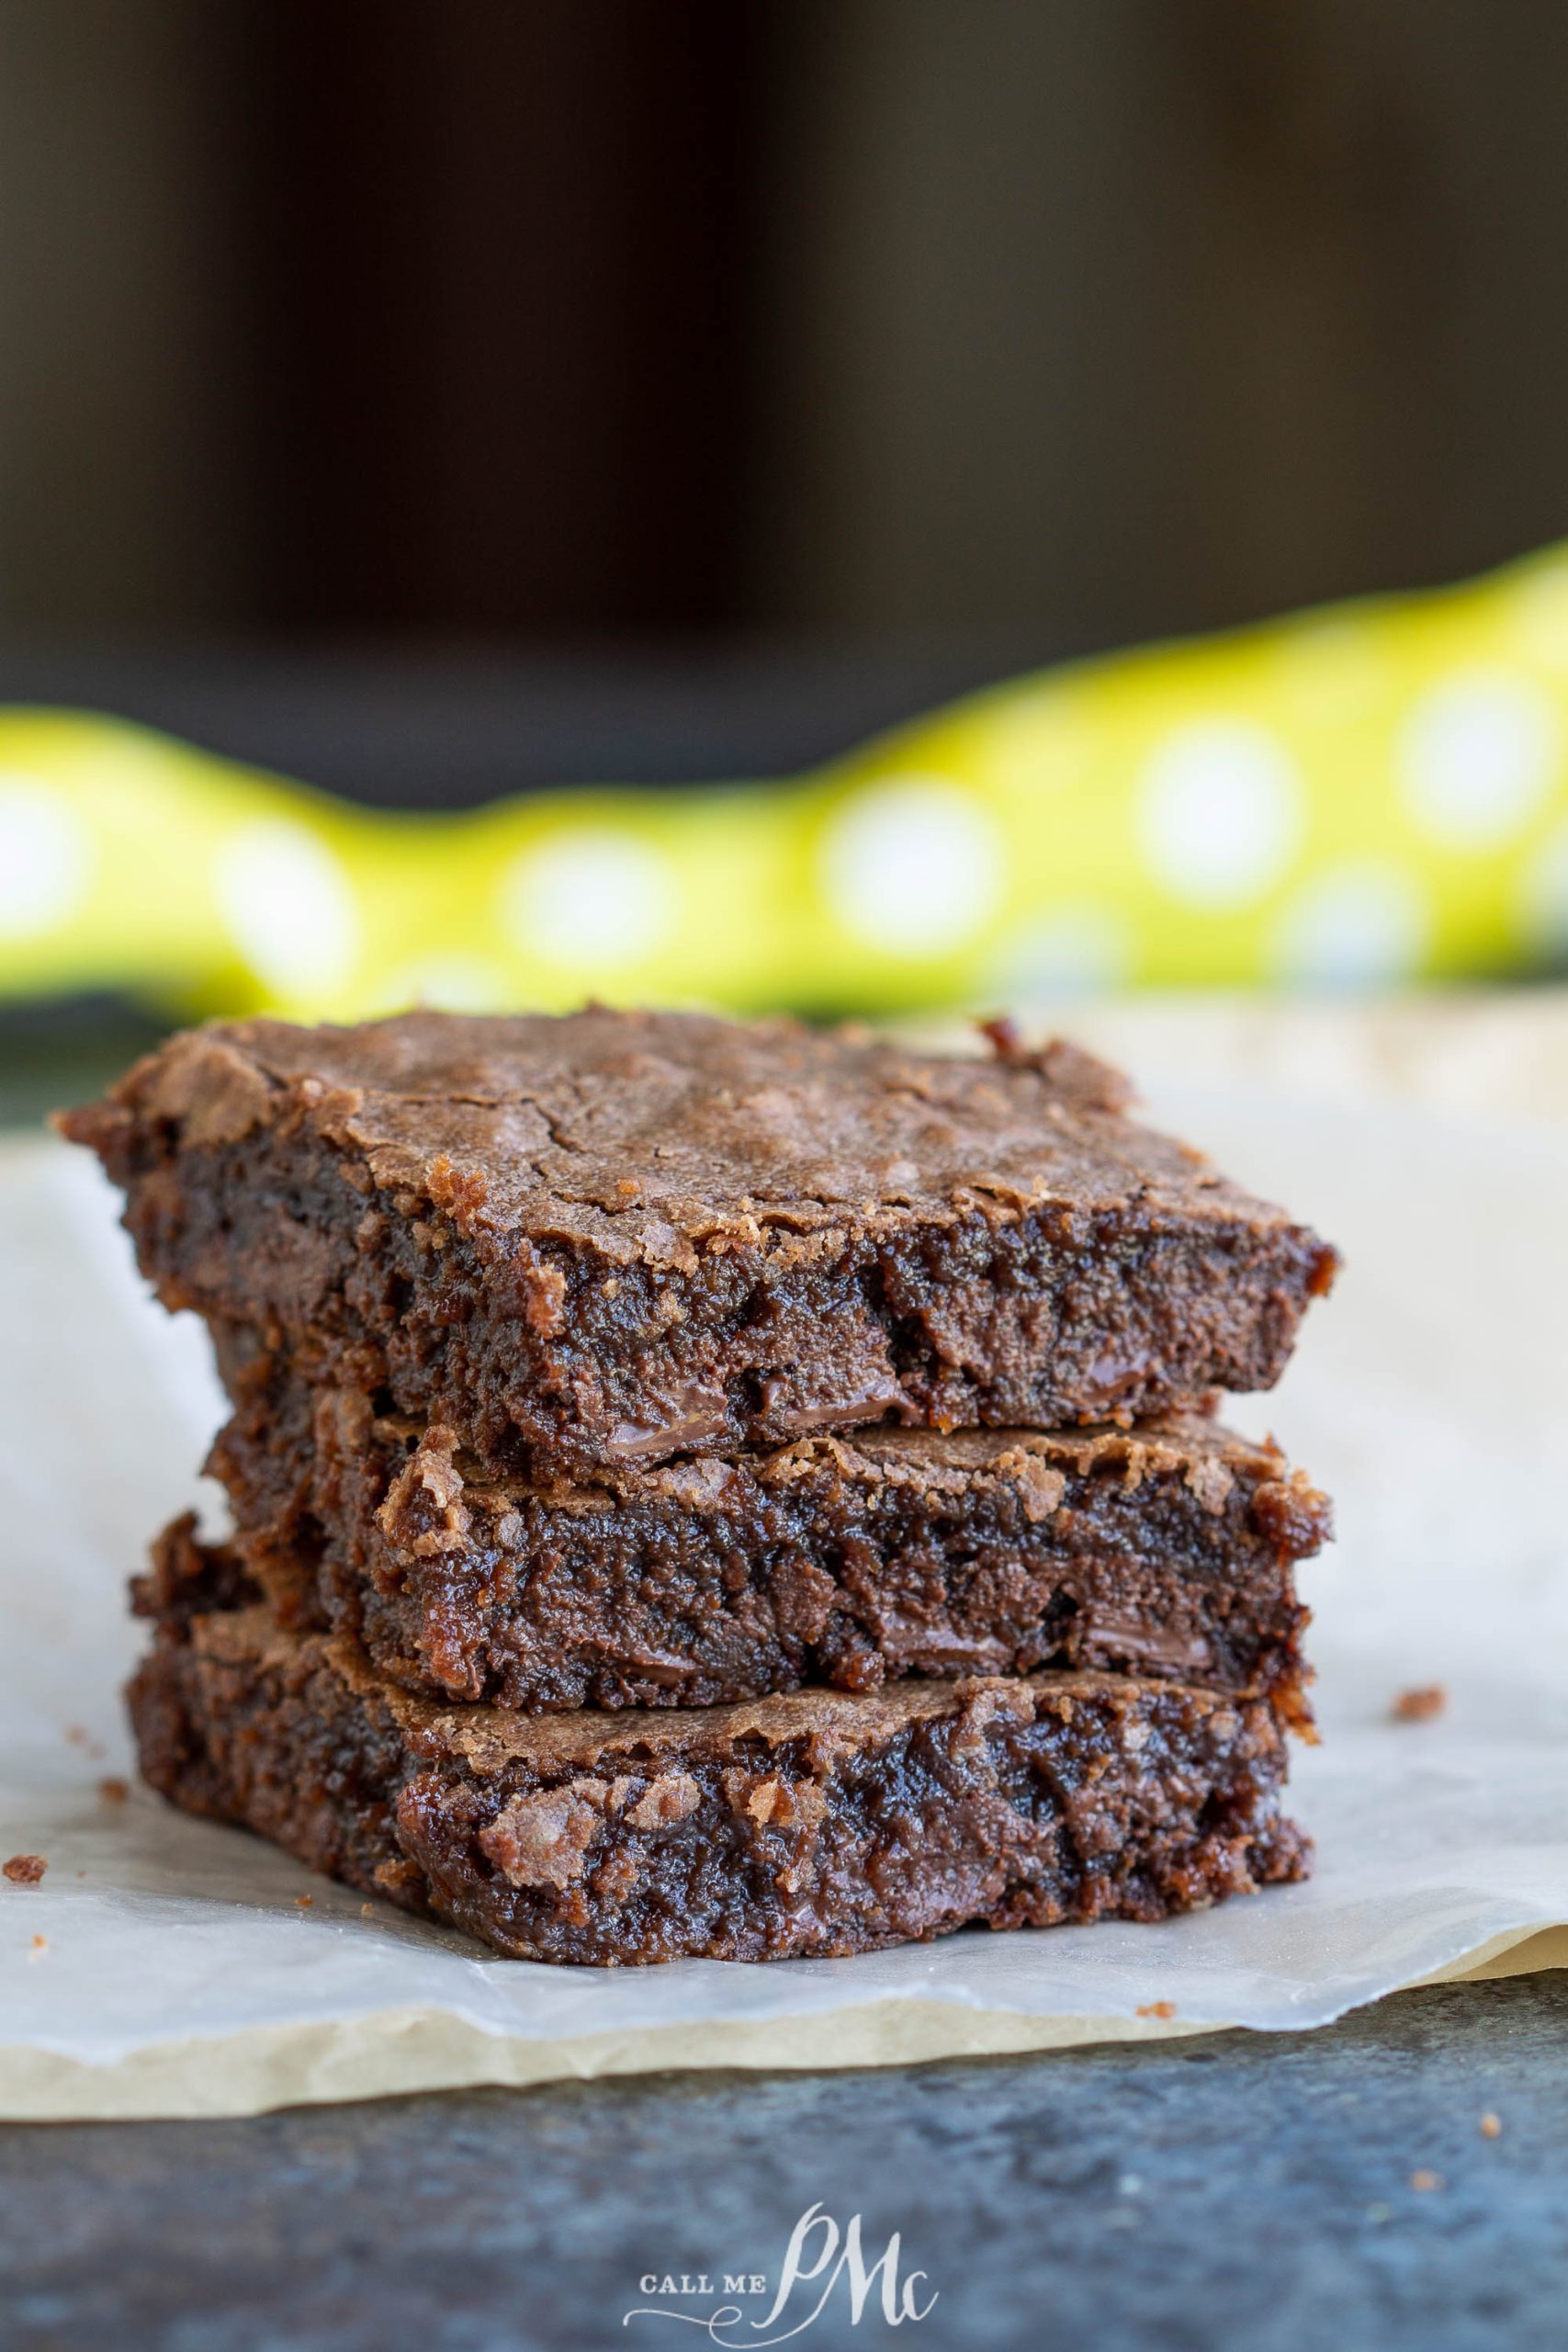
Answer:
(1368, 794)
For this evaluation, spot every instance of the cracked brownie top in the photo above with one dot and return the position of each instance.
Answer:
(655, 1130)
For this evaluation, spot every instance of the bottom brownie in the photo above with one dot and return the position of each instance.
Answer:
(813, 1824)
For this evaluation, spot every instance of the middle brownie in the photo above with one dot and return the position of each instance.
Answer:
(1167, 1549)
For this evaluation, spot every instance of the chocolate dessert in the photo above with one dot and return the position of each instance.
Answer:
(615, 1237)
(705, 1489)
(818, 1824)
(1167, 1549)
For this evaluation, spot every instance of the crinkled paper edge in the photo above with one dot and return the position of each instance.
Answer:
(402, 2050)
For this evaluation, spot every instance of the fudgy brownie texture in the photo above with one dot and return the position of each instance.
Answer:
(621, 1237)
(813, 1824)
(1167, 1549)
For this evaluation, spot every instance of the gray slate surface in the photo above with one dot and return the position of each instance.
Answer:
(1237, 2191)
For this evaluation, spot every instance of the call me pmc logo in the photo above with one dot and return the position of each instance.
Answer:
(821, 2263)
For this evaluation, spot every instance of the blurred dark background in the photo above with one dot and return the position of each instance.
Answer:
(699, 384)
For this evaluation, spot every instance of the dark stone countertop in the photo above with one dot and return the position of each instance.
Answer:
(1243, 2190)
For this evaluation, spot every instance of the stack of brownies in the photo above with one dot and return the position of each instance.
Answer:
(717, 1489)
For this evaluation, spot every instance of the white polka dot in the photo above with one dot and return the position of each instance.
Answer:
(1081, 951)
(912, 866)
(44, 858)
(1219, 813)
(1543, 902)
(588, 900)
(288, 904)
(1476, 756)
(1357, 926)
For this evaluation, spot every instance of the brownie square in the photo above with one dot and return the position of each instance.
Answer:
(1167, 1549)
(613, 1237)
(819, 1823)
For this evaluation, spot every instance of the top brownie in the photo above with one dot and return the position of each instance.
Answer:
(622, 1236)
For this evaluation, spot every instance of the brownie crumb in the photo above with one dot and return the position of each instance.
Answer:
(1157, 2009)
(1490, 2125)
(1420, 1705)
(24, 1870)
(1004, 1036)
(114, 1791)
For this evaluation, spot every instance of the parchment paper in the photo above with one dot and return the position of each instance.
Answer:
(165, 1967)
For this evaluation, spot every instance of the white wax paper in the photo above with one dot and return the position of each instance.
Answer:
(166, 1966)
